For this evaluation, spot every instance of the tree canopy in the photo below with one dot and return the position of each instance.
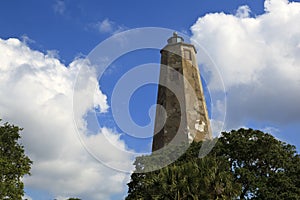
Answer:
(244, 164)
(265, 167)
(14, 164)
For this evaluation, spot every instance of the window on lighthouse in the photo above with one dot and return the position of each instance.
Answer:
(187, 54)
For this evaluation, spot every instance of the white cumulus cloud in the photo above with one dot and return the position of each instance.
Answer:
(258, 59)
(243, 11)
(107, 26)
(36, 92)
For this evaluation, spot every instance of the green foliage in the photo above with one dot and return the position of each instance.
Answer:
(266, 167)
(14, 164)
(189, 177)
(245, 164)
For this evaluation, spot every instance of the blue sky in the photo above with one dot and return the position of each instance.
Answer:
(252, 47)
(66, 28)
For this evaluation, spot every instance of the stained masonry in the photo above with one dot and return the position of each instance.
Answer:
(180, 93)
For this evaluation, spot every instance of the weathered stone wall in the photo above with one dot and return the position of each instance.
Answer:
(184, 103)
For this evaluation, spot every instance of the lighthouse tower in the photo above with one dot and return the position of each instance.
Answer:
(180, 93)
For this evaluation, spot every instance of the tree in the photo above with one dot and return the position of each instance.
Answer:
(244, 164)
(14, 164)
(189, 177)
(266, 167)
